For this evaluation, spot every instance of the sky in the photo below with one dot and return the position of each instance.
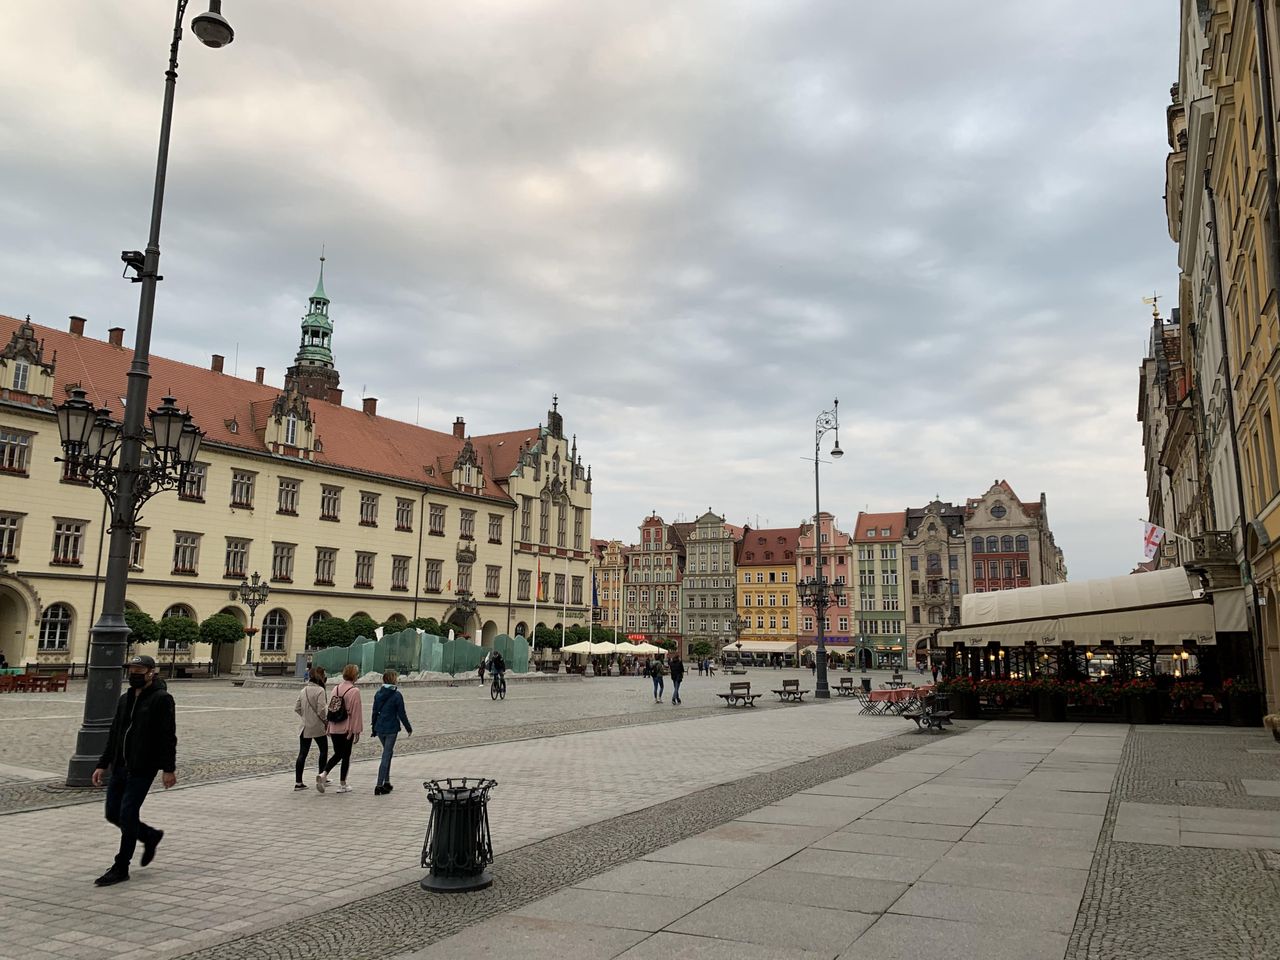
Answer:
(697, 222)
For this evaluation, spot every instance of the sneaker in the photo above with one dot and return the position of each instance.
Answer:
(149, 849)
(321, 782)
(342, 788)
(299, 786)
(113, 876)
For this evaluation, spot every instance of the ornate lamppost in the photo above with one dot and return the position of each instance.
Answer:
(133, 479)
(657, 621)
(466, 605)
(253, 594)
(737, 624)
(816, 591)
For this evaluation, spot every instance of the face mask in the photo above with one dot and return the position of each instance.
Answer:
(137, 680)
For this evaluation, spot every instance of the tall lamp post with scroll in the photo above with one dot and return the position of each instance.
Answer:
(816, 591)
(117, 466)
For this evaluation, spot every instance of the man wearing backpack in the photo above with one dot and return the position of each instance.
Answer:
(143, 742)
(655, 674)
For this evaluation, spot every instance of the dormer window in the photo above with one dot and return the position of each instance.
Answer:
(291, 430)
(21, 375)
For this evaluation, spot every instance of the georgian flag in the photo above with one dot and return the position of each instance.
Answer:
(1152, 537)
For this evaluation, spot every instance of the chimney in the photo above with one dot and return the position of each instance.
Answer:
(216, 366)
(459, 428)
(261, 372)
(371, 406)
(77, 326)
(334, 395)
(116, 336)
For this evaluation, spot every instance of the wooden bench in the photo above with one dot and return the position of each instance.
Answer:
(847, 687)
(739, 693)
(790, 691)
(272, 669)
(735, 669)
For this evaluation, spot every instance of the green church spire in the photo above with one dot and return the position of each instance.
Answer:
(315, 350)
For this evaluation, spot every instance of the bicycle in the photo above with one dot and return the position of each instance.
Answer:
(498, 688)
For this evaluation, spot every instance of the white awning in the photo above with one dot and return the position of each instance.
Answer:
(1229, 612)
(1165, 608)
(761, 646)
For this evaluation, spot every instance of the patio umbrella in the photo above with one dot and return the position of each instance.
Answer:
(647, 647)
(582, 646)
(603, 646)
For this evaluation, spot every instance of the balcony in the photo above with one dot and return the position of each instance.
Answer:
(466, 552)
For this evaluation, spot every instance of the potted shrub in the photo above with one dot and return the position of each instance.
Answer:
(1244, 702)
(1049, 700)
(1142, 704)
(962, 694)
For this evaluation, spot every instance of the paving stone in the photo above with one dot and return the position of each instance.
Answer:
(535, 939)
(724, 853)
(768, 923)
(1261, 788)
(1084, 822)
(906, 828)
(1014, 877)
(1075, 859)
(991, 907)
(1228, 841)
(951, 815)
(608, 908)
(817, 890)
(677, 946)
(780, 833)
(869, 865)
(1033, 836)
(688, 881)
(918, 849)
(897, 937)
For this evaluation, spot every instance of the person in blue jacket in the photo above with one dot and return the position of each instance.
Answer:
(388, 717)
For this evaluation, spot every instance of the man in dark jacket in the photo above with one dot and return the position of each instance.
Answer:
(143, 742)
(677, 676)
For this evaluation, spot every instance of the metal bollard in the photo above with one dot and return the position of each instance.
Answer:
(457, 847)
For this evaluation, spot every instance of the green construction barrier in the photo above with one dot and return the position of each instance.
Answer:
(514, 651)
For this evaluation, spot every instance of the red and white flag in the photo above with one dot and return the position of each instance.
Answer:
(1152, 537)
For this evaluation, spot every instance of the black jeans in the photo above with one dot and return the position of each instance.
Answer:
(304, 748)
(125, 793)
(341, 755)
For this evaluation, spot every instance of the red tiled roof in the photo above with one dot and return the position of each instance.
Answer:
(1030, 508)
(896, 522)
(777, 541)
(351, 439)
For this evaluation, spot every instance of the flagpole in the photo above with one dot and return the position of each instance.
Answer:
(1168, 532)
(537, 588)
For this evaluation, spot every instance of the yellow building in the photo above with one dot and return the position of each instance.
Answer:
(609, 568)
(766, 588)
(1239, 69)
(343, 511)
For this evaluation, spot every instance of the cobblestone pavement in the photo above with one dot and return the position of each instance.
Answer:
(260, 854)
(226, 731)
(1167, 901)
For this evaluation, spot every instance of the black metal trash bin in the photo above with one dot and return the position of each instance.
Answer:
(457, 848)
(866, 684)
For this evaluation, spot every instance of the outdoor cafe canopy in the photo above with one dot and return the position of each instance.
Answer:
(761, 646)
(1165, 607)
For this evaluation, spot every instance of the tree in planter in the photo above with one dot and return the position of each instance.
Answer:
(363, 626)
(330, 632)
(427, 625)
(219, 629)
(699, 649)
(178, 633)
(142, 628)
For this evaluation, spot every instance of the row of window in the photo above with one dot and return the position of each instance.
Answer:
(57, 619)
(885, 553)
(544, 522)
(1005, 544)
(994, 568)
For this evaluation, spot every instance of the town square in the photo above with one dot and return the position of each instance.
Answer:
(705, 479)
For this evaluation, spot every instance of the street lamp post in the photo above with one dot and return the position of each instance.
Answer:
(657, 621)
(253, 594)
(131, 483)
(816, 588)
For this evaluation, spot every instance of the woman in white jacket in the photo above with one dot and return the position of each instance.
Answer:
(313, 708)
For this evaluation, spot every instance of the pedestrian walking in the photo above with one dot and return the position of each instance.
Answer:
(344, 724)
(677, 675)
(143, 741)
(312, 707)
(480, 671)
(655, 674)
(387, 719)
(935, 673)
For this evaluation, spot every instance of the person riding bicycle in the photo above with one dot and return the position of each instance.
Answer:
(498, 667)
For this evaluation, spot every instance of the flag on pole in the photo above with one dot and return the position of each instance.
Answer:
(1152, 537)
(538, 592)
(595, 595)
